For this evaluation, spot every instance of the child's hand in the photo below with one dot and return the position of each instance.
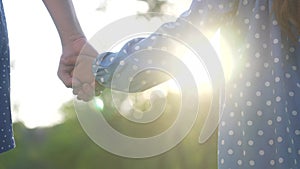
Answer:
(84, 84)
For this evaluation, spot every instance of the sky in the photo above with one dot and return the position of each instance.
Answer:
(36, 92)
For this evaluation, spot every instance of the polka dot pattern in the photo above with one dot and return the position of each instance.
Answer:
(6, 132)
(260, 126)
(261, 113)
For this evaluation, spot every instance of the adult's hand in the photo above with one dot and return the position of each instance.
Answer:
(68, 59)
(73, 41)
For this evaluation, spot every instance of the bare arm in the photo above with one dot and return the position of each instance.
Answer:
(74, 43)
(65, 20)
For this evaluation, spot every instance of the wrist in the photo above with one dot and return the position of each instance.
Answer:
(73, 38)
(102, 68)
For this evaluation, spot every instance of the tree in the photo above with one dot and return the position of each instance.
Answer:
(155, 7)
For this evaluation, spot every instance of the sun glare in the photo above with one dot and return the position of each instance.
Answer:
(197, 68)
(35, 112)
(98, 102)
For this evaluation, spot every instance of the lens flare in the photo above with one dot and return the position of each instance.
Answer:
(98, 102)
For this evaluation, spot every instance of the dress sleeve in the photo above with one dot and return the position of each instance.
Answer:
(203, 15)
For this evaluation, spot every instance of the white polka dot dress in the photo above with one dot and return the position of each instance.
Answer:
(6, 132)
(260, 126)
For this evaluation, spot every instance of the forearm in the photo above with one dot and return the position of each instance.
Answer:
(65, 20)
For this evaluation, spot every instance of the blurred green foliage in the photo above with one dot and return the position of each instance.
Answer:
(66, 146)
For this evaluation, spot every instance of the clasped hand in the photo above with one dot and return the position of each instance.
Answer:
(75, 69)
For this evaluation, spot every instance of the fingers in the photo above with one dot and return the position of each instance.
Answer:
(98, 88)
(65, 75)
(85, 93)
(74, 68)
(66, 71)
(69, 60)
(76, 90)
